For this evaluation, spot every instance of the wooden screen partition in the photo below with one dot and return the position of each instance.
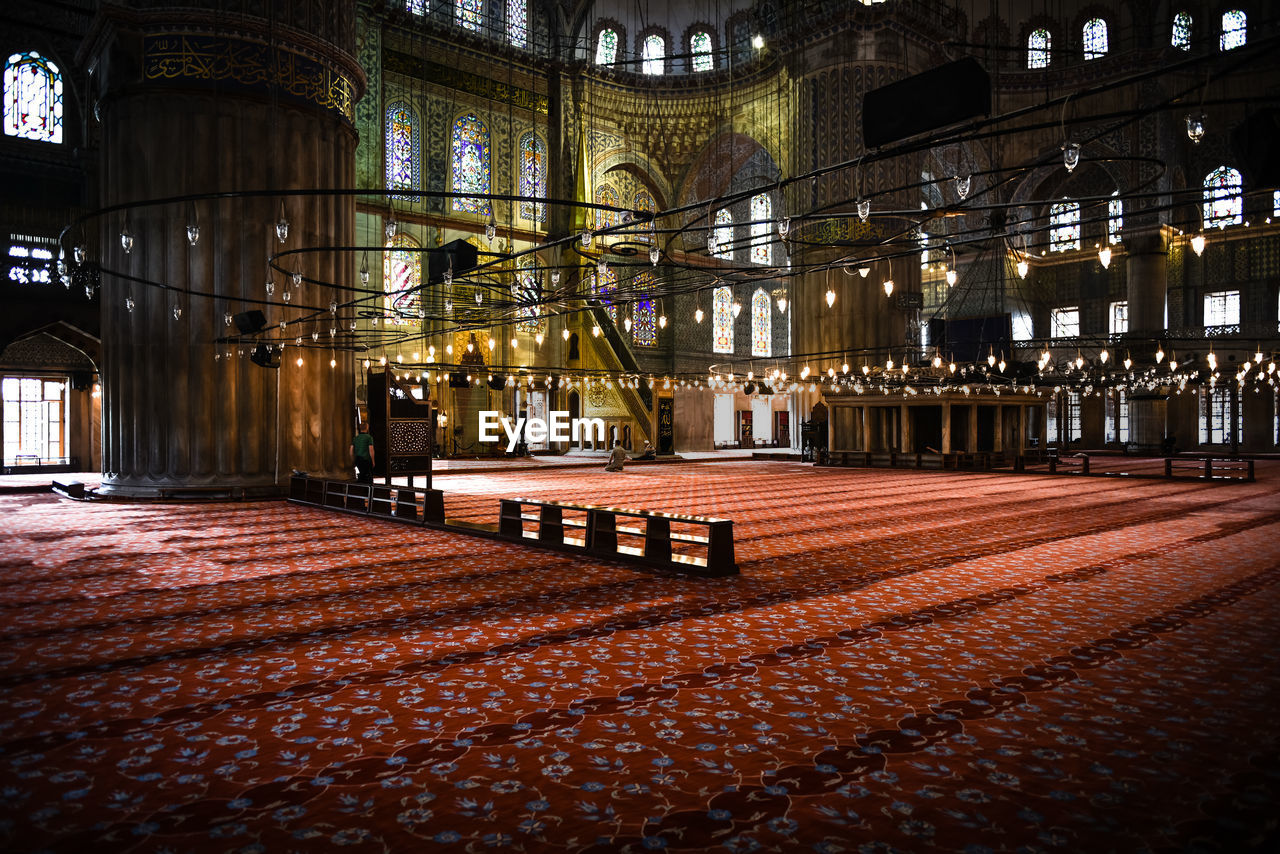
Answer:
(403, 427)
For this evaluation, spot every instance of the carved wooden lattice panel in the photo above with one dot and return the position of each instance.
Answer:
(409, 437)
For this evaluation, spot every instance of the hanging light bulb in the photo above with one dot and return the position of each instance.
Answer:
(697, 314)
(662, 321)
(784, 227)
(991, 357)
(490, 229)
(333, 306)
(448, 306)
(333, 363)
(1195, 127)
(951, 277)
(555, 277)
(286, 295)
(390, 227)
(1070, 155)
(585, 237)
(626, 322)
(595, 331)
(1173, 361)
(602, 268)
(937, 359)
(128, 304)
(1128, 362)
(126, 238)
(951, 366)
(864, 209)
(1104, 256)
(831, 298)
(564, 333)
(1197, 244)
(864, 271)
(654, 255)
(282, 225)
(1023, 267)
(888, 363)
(888, 287)
(177, 311)
(962, 186)
(270, 287)
(782, 303)
(364, 269)
(297, 279)
(80, 253)
(1079, 360)
(1212, 359)
(538, 339)
(1257, 355)
(1103, 356)
(479, 296)
(1159, 354)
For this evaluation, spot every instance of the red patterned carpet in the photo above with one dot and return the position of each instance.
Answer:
(909, 661)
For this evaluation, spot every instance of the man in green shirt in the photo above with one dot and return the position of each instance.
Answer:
(362, 451)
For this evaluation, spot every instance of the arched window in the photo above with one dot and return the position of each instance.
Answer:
(528, 295)
(722, 320)
(607, 47)
(761, 229)
(403, 143)
(401, 276)
(1182, 31)
(700, 50)
(1115, 217)
(470, 155)
(644, 330)
(533, 176)
(1095, 38)
(761, 324)
(654, 54)
(517, 23)
(603, 287)
(1275, 204)
(1234, 30)
(416, 7)
(1064, 225)
(1038, 46)
(469, 14)
(721, 242)
(1223, 198)
(644, 202)
(32, 98)
(605, 195)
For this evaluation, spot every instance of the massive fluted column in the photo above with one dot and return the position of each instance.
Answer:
(210, 100)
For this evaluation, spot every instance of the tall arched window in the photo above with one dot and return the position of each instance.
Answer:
(1115, 217)
(1234, 30)
(1038, 46)
(607, 47)
(761, 324)
(470, 155)
(761, 229)
(644, 330)
(722, 320)
(644, 202)
(721, 242)
(401, 276)
(1223, 198)
(469, 14)
(603, 287)
(533, 176)
(1064, 226)
(654, 54)
(700, 50)
(605, 195)
(1182, 31)
(404, 141)
(32, 98)
(1095, 38)
(517, 23)
(528, 295)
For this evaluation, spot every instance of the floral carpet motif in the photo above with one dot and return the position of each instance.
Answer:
(908, 661)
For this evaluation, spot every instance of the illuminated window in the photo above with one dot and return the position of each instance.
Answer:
(1117, 417)
(403, 144)
(533, 176)
(1072, 424)
(654, 54)
(644, 202)
(761, 229)
(1118, 324)
(1064, 225)
(1065, 322)
(528, 295)
(517, 23)
(604, 288)
(721, 243)
(31, 260)
(1023, 328)
(1038, 45)
(468, 14)
(401, 276)
(700, 48)
(644, 330)
(1275, 203)
(416, 7)
(1223, 198)
(1115, 218)
(606, 195)
(35, 424)
(722, 320)
(1221, 308)
(1182, 31)
(470, 155)
(761, 324)
(1215, 417)
(607, 47)
(1234, 31)
(32, 98)
(1095, 38)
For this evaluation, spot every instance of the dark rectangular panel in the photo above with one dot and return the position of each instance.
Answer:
(936, 98)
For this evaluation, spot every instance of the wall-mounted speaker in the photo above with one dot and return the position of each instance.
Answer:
(249, 322)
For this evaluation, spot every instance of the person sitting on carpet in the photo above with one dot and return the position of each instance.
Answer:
(616, 457)
(648, 453)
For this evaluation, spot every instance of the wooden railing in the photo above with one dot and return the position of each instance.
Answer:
(391, 502)
(1209, 468)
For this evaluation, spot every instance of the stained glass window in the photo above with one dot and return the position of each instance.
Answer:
(1038, 44)
(1182, 30)
(644, 330)
(607, 47)
(533, 176)
(401, 275)
(700, 48)
(644, 202)
(604, 288)
(1064, 224)
(470, 163)
(416, 7)
(654, 54)
(517, 23)
(468, 14)
(32, 98)
(1115, 218)
(403, 142)
(1234, 31)
(1223, 198)
(527, 295)
(721, 242)
(761, 229)
(722, 320)
(1275, 203)
(605, 195)
(1095, 38)
(761, 324)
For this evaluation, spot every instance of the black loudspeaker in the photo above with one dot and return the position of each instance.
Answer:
(461, 253)
(498, 381)
(265, 356)
(250, 322)
(457, 379)
(81, 380)
(1254, 143)
(936, 98)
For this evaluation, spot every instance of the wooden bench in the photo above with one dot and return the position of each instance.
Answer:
(1072, 464)
(1211, 468)
(391, 502)
(694, 544)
